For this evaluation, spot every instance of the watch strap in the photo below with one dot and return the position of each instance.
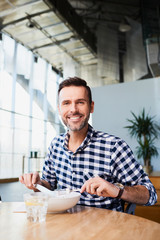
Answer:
(121, 190)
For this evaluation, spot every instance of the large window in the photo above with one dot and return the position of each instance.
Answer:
(28, 114)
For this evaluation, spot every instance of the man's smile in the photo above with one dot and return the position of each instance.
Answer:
(74, 118)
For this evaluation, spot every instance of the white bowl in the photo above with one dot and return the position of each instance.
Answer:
(62, 201)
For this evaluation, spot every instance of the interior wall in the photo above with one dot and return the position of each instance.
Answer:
(114, 103)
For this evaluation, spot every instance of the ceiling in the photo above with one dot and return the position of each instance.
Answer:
(54, 28)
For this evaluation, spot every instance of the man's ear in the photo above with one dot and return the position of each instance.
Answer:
(92, 107)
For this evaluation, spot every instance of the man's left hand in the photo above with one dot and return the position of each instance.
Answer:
(100, 187)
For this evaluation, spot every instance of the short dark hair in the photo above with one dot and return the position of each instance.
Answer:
(75, 81)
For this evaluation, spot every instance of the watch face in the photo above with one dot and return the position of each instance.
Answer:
(119, 185)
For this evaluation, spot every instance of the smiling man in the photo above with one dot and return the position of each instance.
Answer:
(75, 108)
(75, 105)
(102, 165)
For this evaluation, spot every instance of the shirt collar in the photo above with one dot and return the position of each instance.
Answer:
(85, 141)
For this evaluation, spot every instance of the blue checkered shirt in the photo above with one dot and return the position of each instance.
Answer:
(100, 154)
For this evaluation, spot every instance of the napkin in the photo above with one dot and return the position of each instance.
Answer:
(20, 208)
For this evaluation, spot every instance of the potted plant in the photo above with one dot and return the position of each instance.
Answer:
(146, 131)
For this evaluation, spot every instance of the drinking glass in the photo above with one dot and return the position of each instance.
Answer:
(36, 206)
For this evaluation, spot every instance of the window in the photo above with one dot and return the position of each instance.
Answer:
(28, 115)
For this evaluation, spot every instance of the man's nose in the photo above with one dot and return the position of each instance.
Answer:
(73, 107)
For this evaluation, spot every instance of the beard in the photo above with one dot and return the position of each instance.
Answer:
(76, 127)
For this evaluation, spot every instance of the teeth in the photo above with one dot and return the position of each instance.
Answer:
(74, 118)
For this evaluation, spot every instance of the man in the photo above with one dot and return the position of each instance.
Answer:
(102, 165)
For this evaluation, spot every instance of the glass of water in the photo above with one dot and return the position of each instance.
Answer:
(36, 206)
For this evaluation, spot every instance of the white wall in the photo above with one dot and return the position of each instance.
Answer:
(114, 103)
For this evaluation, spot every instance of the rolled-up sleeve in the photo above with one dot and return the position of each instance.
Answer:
(144, 180)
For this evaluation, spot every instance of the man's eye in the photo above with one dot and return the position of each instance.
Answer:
(81, 102)
(65, 103)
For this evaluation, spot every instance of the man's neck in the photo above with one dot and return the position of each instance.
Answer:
(76, 138)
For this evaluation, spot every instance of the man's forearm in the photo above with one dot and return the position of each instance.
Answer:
(136, 194)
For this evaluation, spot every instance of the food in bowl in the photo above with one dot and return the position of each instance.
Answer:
(62, 200)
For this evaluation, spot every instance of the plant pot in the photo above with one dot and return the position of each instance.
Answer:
(147, 169)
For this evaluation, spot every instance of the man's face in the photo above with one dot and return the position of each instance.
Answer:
(74, 107)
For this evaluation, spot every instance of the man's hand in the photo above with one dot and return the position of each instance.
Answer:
(29, 179)
(136, 194)
(100, 187)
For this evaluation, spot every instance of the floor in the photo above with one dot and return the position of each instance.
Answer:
(12, 192)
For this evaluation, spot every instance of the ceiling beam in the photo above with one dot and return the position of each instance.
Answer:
(54, 41)
(73, 21)
(118, 3)
(23, 18)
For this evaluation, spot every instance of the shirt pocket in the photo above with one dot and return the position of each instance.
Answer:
(87, 174)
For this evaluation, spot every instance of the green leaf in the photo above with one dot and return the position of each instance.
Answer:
(146, 131)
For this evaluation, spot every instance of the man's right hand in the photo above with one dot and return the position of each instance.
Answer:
(29, 179)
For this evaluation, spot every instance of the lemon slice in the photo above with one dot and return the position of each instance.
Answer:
(33, 204)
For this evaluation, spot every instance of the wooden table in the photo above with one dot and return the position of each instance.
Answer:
(79, 223)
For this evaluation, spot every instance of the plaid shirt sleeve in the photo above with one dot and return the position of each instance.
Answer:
(48, 173)
(128, 171)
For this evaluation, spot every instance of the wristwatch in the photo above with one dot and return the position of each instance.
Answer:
(121, 189)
